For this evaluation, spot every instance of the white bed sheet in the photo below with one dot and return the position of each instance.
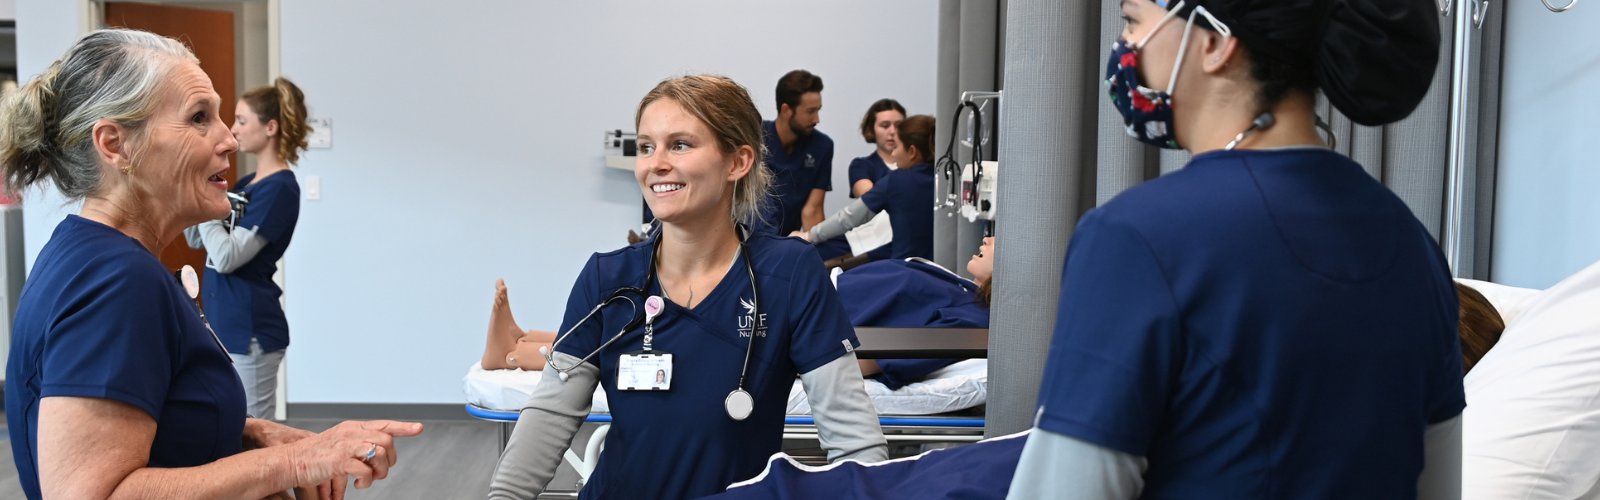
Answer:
(959, 386)
(956, 387)
(507, 390)
(1531, 430)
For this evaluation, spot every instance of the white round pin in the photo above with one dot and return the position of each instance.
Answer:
(191, 281)
(739, 404)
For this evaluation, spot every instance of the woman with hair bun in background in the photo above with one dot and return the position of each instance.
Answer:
(241, 300)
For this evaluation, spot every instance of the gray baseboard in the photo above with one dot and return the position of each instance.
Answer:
(379, 411)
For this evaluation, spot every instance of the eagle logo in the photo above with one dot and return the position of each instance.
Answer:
(749, 307)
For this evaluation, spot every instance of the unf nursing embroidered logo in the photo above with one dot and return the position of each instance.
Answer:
(747, 320)
(810, 162)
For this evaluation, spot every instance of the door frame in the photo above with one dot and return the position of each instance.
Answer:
(91, 15)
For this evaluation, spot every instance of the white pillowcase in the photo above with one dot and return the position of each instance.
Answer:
(1507, 300)
(507, 390)
(1531, 429)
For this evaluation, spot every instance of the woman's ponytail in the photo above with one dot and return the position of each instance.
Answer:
(29, 123)
(283, 101)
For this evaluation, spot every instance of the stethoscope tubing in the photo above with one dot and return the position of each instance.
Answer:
(550, 359)
(755, 313)
(620, 293)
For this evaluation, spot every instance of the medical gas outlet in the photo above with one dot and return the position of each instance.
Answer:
(978, 197)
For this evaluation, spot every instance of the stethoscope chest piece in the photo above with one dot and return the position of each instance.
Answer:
(739, 404)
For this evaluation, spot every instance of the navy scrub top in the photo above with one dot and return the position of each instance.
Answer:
(244, 303)
(910, 293)
(802, 327)
(100, 317)
(870, 167)
(907, 194)
(794, 175)
(1259, 324)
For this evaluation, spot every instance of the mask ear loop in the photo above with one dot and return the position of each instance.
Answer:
(1333, 139)
(1183, 47)
(1170, 14)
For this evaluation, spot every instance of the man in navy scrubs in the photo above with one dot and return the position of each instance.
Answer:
(801, 158)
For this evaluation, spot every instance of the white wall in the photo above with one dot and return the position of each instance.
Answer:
(1547, 213)
(46, 28)
(467, 148)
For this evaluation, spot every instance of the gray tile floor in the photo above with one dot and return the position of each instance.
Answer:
(450, 460)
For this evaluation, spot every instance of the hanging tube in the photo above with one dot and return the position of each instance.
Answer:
(1452, 240)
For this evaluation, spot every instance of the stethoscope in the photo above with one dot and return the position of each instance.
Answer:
(739, 403)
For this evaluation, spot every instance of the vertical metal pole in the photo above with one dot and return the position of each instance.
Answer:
(979, 23)
(1451, 240)
(946, 89)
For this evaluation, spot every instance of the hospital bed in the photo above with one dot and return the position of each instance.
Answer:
(915, 414)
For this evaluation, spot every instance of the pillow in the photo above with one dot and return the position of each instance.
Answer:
(507, 390)
(956, 387)
(1531, 429)
(1508, 300)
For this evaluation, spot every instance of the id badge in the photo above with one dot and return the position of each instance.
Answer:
(645, 371)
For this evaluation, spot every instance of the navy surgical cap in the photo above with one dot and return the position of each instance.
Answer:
(1373, 59)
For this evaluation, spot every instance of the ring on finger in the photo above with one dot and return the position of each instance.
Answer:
(371, 452)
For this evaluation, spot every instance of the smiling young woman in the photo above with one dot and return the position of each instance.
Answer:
(739, 316)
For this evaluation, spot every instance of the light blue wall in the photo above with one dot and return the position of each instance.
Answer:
(1547, 213)
(467, 148)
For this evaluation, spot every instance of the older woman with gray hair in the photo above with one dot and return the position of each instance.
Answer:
(116, 388)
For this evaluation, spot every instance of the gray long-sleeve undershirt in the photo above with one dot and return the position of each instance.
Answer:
(1061, 467)
(226, 251)
(544, 429)
(850, 217)
(847, 424)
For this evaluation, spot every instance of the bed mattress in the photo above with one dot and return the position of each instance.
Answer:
(956, 387)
